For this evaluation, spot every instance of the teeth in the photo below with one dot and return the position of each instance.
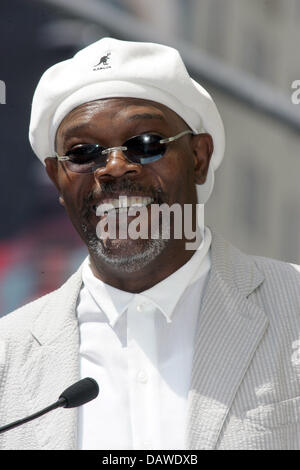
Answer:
(123, 202)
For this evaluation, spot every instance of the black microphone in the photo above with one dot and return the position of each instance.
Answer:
(77, 394)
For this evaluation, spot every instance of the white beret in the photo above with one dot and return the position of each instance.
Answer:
(112, 68)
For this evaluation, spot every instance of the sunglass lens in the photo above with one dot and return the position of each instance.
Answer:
(145, 148)
(86, 158)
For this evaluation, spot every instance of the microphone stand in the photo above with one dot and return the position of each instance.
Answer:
(57, 404)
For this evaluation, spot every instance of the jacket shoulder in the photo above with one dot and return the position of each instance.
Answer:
(250, 273)
(21, 318)
(276, 269)
(280, 291)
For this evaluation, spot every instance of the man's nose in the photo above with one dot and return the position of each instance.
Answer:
(117, 165)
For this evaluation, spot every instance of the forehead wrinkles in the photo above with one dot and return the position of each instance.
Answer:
(131, 109)
(82, 115)
(118, 106)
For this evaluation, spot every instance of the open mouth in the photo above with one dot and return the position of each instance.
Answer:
(121, 203)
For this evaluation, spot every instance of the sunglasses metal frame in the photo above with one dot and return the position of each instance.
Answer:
(63, 158)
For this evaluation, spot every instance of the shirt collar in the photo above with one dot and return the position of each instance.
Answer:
(166, 294)
(114, 302)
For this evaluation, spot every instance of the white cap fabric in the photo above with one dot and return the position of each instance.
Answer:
(112, 68)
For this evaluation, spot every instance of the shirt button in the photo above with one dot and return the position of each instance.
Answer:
(140, 307)
(142, 377)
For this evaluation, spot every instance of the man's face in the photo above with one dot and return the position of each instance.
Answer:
(171, 179)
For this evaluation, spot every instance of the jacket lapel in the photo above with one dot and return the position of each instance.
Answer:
(229, 330)
(53, 365)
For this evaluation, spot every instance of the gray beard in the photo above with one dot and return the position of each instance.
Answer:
(126, 263)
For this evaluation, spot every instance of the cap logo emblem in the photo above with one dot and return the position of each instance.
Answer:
(103, 63)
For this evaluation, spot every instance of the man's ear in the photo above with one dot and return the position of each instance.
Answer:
(52, 171)
(202, 147)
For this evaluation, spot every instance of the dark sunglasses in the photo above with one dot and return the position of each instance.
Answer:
(141, 149)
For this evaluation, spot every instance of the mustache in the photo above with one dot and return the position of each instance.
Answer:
(114, 188)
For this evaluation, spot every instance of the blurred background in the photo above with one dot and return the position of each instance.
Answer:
(246, 53)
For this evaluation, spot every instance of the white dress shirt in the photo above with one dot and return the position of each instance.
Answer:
(139, 348)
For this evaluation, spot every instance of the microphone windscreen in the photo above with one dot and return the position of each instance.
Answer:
(80, 393)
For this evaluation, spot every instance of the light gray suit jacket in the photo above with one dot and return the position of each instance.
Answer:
(245, 389)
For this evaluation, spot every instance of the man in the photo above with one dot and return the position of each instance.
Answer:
(193, 348)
